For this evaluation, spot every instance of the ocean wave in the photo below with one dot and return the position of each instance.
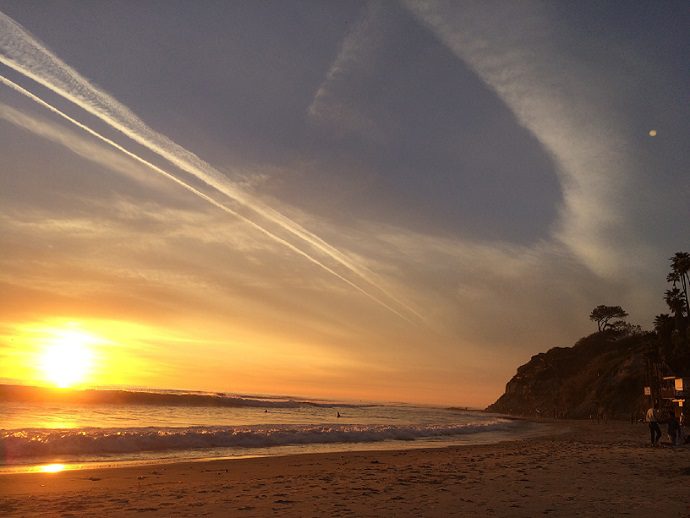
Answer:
(16, 445)
(26, 394)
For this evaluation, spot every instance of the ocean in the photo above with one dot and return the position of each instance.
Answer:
(110, 428)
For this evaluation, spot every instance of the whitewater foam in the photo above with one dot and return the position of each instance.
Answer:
(37, 443)
(125, 426)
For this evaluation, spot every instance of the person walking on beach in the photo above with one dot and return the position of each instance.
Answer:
(673, 429)
(654, 429)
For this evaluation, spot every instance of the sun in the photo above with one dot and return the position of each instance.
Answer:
(67, 358)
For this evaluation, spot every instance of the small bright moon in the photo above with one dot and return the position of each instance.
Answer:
(66, 360)
(652, 133)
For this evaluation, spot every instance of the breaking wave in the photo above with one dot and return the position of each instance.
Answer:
(17, 445)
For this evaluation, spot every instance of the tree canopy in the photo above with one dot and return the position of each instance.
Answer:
(673, 329)
(680, 274)
(603, 314)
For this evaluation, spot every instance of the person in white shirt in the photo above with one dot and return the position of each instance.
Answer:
(654, 430)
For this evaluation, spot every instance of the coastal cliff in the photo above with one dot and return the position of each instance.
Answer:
(602, 374)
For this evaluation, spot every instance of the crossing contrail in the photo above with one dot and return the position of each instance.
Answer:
(24, 54)
(197, 192)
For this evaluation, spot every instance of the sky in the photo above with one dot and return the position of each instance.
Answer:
(380, 201)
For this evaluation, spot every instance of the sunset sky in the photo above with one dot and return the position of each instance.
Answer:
(354, 200)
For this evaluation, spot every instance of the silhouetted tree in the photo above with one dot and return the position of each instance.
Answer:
(663, 324)
(675, 300)
(680, 274)
(602, 314)
(625, 328)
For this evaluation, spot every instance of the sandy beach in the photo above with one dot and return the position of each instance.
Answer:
(586, 469)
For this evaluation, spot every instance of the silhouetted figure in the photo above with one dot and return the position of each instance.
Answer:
(651, 420)
(673, 428)
(337, 414)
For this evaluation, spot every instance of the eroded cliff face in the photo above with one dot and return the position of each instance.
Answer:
(601, 374)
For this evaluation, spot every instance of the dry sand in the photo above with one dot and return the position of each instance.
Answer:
(588, 470)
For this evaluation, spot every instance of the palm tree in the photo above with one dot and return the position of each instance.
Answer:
(662, 322)
(663, 326)
(675, 299)
(677, 303)
(680, 273)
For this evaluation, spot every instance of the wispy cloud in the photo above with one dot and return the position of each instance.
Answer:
(356, 56)
(554, 94)
(87, 149)
(26, 55)
(249, 280)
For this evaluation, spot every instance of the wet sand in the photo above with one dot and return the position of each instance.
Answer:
(587, 469)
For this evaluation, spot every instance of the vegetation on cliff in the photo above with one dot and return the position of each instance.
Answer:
(604, 373)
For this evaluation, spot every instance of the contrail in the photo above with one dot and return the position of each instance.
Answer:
(27, 56)
(197, 192)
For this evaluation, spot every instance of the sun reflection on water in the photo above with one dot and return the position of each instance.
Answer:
(51, 468)
(59, 422)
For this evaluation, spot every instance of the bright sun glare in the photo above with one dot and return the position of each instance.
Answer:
(66, 358)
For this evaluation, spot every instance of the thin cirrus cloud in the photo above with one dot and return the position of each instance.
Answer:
(24, 54)
(555, 96)
(385, 121)
(82, 147)
(146, 230)
(442, 151)
(354, 54)
(571, 102)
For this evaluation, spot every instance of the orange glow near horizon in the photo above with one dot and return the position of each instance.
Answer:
(69, 353)
(79, 353)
